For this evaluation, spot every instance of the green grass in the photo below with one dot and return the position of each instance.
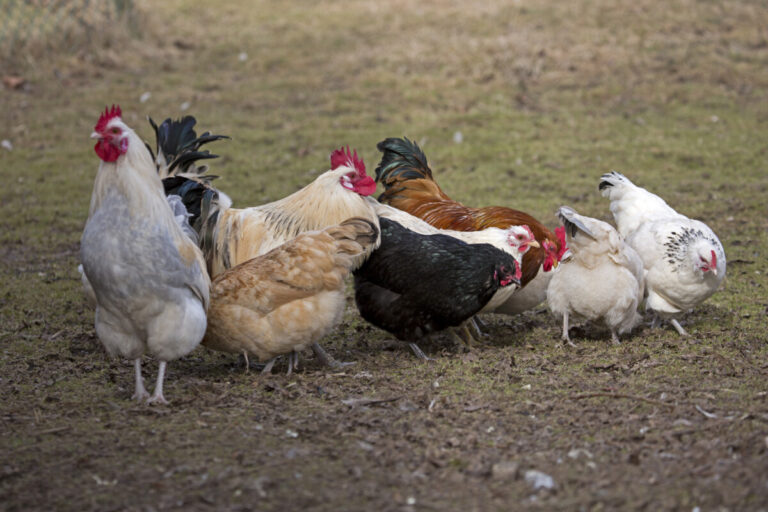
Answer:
(547, 96)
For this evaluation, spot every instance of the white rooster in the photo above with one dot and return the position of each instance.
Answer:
(145, 276)
(603, 278)
(683, 259)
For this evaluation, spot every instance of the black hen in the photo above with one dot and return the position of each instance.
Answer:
(414, 285)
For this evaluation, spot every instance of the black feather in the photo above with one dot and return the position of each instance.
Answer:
(604, 184)
(414, 284)
(180, 145)
(402, 159)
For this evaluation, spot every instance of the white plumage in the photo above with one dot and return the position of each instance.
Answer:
(603, 278)
(683, 259)
(146, 278)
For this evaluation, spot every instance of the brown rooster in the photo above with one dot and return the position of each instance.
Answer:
(409, 186)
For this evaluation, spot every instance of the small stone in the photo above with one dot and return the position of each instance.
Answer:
(458, 138)
(579, 452)
(242, 57)
(505, 470)
(184, 106)
(6, 144)
(539, 480)
(145, 97)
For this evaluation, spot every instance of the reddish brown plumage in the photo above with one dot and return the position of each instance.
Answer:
(409, 186)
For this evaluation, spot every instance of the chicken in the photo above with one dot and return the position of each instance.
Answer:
(683, 259)
(146, 277)
(603, 277)
(284, 300)
(409, 186)
(230, 236)
(414, 285)
(334, 196)
(515, 240)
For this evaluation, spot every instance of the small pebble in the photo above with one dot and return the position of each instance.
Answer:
(539, 480)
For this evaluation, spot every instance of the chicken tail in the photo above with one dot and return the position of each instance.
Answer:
(203, 204)
(354, 236)
(403, 170)
(178, 149)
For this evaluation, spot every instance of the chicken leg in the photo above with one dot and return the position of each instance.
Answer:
(565, 337)
(678, 327)
(615, 338)
(479, 325)
(419, 353)
(157, 395)
(141, 392)
(293, 362)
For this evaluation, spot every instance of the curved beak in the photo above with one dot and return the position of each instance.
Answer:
(534, 243)
(95, 135)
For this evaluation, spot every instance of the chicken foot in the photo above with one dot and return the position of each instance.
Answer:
(481, 327)
(678, 327)
(328, 359)
(565, 337)
(293, 362)
(268, 367)
(157, 396)
(141, 392)
(419, 353)
(615, 338)
(459, 340)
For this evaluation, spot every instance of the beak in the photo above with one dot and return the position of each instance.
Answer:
(95, 135)
(714, 271)
(534, 244)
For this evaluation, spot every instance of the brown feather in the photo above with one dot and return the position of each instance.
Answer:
(289, 297)
(423, 198)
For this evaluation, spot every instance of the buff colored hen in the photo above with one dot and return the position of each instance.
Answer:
(285, 300)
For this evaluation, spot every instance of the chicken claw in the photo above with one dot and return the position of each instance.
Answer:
(678, 327)
(157, 396)
(327, 359)
(419, 353)
(565, 337)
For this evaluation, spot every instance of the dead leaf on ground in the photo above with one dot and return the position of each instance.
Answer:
(13, 82)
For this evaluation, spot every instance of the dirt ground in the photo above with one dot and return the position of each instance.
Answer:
(547, 96)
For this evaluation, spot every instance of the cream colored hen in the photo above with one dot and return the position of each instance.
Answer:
(285, 300)
(603, 279)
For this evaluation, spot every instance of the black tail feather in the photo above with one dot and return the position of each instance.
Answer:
(179, 146)
(402, 159)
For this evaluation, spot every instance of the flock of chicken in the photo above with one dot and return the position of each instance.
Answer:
(168, 263)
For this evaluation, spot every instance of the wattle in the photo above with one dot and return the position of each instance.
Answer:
(106, 151)
(366, 186)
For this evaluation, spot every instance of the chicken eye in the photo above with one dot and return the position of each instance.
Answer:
(115, 130)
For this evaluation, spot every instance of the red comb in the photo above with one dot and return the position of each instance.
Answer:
(107, 116)
(342, 157)
(713, 262)
(560, 233)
